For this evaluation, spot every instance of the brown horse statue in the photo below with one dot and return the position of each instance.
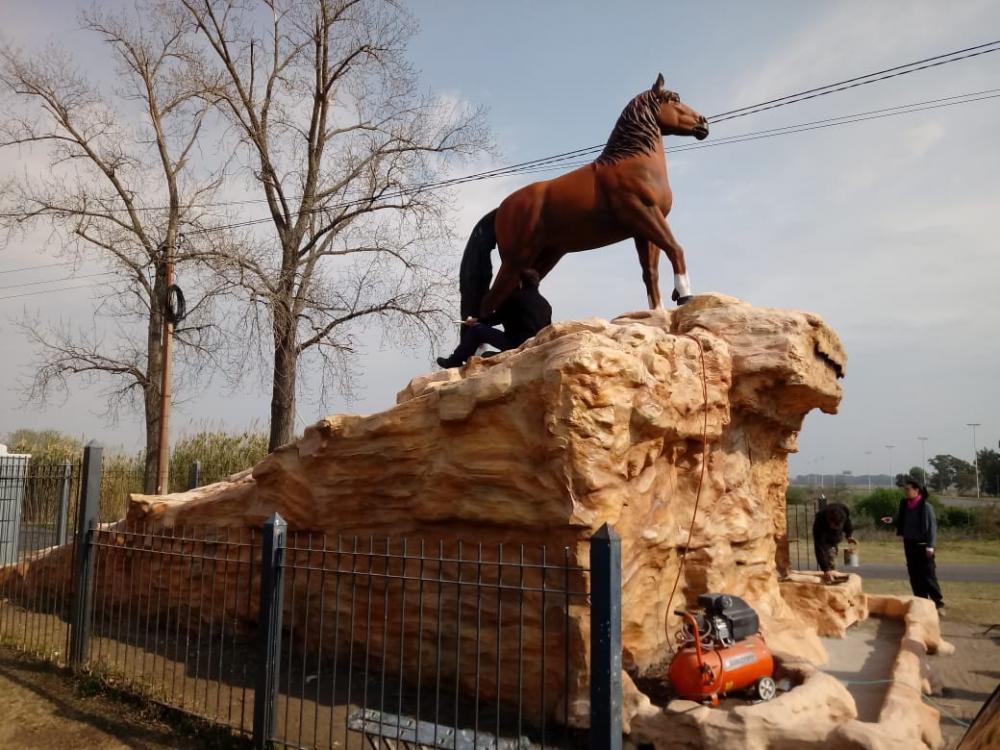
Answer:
(623, 193)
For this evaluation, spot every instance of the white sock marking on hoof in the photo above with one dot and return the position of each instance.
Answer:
(682, 285)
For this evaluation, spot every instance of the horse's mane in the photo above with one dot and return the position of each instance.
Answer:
(636, 131)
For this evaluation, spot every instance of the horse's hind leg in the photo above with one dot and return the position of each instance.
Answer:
(649, 259)
(507, 280)
(545, 262)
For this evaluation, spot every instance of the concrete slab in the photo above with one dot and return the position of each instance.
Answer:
(865, 655)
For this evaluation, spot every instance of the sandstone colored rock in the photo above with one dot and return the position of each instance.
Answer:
(830, 609)
(629, 422)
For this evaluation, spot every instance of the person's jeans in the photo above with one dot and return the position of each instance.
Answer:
(475, 335)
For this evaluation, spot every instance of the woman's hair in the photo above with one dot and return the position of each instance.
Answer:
(921, 490)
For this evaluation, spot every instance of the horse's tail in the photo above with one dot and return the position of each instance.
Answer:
(476, 271)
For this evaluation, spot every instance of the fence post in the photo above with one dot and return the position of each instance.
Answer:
(269, 631)
(194, 477)
(62, 513)
(605, 639)
(83, 555)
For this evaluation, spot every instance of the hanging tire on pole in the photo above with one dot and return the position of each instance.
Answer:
(176, 305)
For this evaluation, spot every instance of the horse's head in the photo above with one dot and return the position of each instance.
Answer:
(675, 117)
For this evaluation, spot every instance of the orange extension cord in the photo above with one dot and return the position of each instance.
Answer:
(701, 480)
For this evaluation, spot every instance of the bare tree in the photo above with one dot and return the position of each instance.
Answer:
(120, 188)
(338, 137)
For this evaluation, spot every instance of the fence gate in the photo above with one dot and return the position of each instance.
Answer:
(13, 468)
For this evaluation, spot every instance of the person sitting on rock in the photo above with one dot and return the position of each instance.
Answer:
(831, 524)
(523, 314)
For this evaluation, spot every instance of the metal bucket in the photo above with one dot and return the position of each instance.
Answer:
(851, 559)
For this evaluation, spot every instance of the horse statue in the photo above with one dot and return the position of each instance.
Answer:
(623, 193)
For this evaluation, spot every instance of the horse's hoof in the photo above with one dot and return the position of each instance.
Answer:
(674, 296)
(681, 300)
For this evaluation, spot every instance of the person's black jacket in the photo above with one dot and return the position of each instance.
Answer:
(825, 533)
(928, 521)
(523, 314)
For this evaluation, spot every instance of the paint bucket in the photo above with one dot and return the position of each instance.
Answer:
(851, 557)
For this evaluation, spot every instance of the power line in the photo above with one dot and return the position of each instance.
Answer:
(54, 281)
(564, 162)
(32, 268)
(48, 291)
(513, 169)
(821, 124)
(830, 88)
(801, 127)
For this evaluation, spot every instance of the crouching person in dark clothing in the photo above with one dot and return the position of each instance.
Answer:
(917, 524)
(523, 314)
(831, 524)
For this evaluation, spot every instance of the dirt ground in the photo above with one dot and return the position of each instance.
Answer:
(41, 708)
(44, 709)
(969, 676)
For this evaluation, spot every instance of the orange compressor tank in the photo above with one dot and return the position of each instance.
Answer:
(700, 675)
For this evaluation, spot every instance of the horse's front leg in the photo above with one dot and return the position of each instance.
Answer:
(649, 224)
(649, 260)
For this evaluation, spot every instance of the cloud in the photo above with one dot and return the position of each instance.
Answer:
(918, 140)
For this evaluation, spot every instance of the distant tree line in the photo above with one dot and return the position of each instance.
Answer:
(947, 474)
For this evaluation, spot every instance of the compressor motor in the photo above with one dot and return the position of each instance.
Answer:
(721, 651)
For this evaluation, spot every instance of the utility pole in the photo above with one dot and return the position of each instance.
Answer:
(163, 453)
(975, 453)
(923, 457)
(868, 470)
(890, 447)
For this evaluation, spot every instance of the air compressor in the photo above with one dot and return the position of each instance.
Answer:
(721, 652)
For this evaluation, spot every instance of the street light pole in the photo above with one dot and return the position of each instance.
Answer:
(975, 453)
(890, 447)
(923, 457)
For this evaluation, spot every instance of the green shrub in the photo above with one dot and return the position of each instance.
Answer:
(957, 518)
(45, 446)
(220, 454)
(121, 475)
(885, 502)
(881, 502)
(796, 495)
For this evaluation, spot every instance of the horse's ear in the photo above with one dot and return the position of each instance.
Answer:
(658, 86)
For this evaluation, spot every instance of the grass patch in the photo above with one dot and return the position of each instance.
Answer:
(948, 552)
(977, 603)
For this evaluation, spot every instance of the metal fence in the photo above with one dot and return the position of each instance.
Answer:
(41, 490)
(799, 518)
(306, 641)
(37, 502)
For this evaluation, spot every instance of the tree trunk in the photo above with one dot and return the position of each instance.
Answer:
(154, 377)
(283, 383)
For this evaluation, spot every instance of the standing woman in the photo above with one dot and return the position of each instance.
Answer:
(916, 523)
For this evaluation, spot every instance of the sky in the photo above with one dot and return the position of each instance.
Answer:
(887, 229)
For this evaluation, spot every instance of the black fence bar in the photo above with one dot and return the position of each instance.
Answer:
(62, 518)
(269, 629)
(83, 567)
(605, 640)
